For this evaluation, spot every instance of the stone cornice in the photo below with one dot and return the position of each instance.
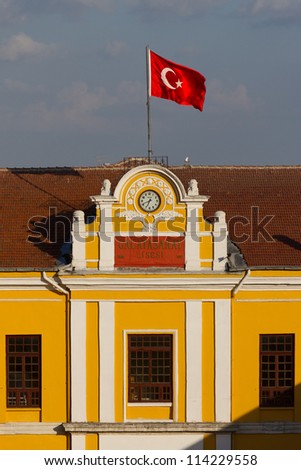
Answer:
(168, 282)
(271, 427)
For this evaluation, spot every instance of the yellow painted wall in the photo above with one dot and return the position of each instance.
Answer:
(249, 320)
(48, 319)
(92, 442)
(266, 442)
(33, 442)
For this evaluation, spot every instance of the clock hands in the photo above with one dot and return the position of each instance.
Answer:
(149, 201)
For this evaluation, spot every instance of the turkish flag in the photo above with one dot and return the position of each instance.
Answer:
(175, 82)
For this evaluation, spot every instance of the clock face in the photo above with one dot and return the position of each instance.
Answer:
(149, 201)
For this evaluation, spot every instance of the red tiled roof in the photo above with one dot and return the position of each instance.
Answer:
(262, 205)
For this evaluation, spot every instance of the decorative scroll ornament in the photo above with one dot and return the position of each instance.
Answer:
(146, 182)
(149, 226)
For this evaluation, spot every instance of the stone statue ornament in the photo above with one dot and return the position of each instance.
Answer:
(106, 188)
(193, 189)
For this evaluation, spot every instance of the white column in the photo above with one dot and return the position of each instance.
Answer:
(79, 240)
(106, 361)
(106, 237)
(223, 360)
(223, 441)
(78, 441)
(220, 249)
(192, 241)
(193, 361)
(78, 361)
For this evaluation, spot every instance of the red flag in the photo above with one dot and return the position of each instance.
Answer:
(175, 82)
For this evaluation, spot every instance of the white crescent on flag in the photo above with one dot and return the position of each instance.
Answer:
(164, 78)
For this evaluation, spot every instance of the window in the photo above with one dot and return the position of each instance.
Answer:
(277, 370)
(23, 355)
(150, 368)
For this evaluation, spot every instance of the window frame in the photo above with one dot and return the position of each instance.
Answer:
(167, 400)
(29, 362)
(268, 397)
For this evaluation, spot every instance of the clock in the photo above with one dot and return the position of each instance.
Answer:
(149, 200)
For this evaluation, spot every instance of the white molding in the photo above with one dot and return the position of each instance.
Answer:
(161, 301)
(174, 368)
(31, 300)
(78, 361)
(149, 234)
(106, 361)
(274, 280)
(194, 361)
(267, 300)
(223, 360)
(168, 282)
(30, 428)
(24, 283)
(185, 282)
(266, 283)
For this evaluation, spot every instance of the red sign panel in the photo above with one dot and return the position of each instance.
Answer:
(149, 251)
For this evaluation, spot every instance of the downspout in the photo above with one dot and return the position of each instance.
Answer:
(61, 289)
(241, 282)
(54, 284)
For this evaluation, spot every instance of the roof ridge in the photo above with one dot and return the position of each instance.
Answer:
(112, 167)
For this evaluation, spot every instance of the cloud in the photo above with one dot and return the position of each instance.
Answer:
(17, 86)
(112, 49)
(100, 4)
(20, 10)
(280, 10)
(75, 108)
(182, 8)
(221, 100)
(21, 46)
(8, 10)
(131, 92)
(80, 99)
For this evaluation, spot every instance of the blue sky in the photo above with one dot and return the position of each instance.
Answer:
(73, 81)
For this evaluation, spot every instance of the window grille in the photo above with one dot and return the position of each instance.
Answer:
(23, 356)
(277, 370)
(150, 368)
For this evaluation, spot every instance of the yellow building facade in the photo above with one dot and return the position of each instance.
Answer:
(156, 335)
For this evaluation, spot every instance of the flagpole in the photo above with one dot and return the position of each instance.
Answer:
(149, 153)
